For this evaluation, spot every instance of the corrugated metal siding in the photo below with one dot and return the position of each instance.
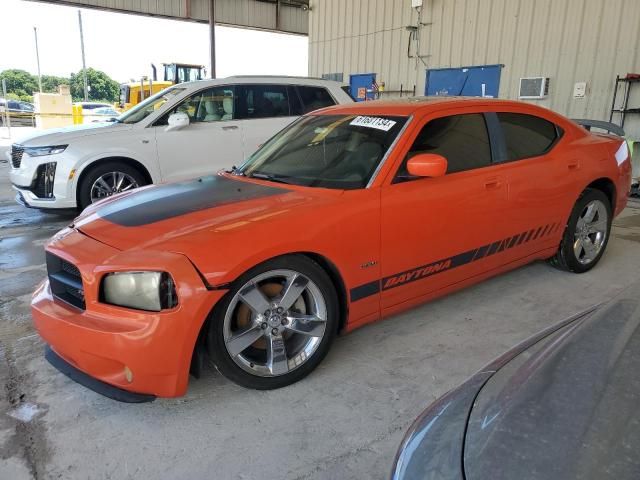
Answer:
(242, 13)
(567, 40)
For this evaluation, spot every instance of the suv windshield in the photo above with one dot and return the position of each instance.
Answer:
(150, 105)
(328, 151)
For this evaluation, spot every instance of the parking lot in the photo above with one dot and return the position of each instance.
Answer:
(344, 421)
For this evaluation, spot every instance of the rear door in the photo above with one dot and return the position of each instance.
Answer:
(541, 177)
(264, 110)
(211, 141)
(440, 231)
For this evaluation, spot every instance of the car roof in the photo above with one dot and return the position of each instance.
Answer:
(245, 79)
(410, 105)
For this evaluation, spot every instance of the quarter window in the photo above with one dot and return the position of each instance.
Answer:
(526, 135)
(461, 139)
(263, 101)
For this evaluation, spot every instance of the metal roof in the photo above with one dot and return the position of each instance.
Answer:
(289, 16)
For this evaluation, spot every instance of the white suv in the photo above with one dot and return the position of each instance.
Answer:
(185, 131)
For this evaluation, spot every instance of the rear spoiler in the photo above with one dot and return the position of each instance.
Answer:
(606, 126)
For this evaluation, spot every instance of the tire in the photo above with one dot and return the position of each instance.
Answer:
(106, 170)
(572, 254)
(242, 316)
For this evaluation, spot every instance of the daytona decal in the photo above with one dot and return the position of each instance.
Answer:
(440, 266)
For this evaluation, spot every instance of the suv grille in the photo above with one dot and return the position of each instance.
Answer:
(65, 281)
(16, 155)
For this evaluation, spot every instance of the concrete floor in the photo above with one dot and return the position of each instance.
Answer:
(345, 421)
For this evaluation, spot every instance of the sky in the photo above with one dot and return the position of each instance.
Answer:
(124, 46)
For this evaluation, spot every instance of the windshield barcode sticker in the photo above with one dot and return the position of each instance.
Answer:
(373, 122)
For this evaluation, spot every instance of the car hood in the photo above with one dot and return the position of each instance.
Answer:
(567, 407)
(185, 216)
(64, 135)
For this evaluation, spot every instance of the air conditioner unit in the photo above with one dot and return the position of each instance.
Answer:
(534, 87)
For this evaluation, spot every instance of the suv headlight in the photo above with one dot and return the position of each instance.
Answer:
(153, 291)
(42, 151)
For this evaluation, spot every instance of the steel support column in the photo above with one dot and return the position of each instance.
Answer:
(212, 36)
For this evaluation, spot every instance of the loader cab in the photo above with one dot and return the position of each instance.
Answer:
(183, 72)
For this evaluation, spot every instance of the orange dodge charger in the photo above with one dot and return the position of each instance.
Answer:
(350, 214)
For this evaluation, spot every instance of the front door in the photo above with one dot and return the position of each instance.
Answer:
(211, 141)
(439, 231)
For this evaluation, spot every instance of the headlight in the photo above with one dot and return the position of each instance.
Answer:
(152, 291)
(42, 151)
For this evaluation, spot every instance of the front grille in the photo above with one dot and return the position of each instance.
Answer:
(42, 186)
(16, 155)
(65, 281)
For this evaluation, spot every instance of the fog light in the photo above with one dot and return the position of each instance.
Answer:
(128, 374)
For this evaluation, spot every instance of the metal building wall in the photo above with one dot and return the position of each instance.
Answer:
(242, 13)
(567, 40)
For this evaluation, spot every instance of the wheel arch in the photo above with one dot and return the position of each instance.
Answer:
(86, 168)
(606, 186)
(329, 267)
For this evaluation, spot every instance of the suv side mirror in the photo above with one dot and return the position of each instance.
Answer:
(177, 121)
(427, 165)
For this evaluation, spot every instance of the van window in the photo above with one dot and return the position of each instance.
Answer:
(262, 101)
(314, 98)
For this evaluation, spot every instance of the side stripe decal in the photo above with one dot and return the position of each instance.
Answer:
(424, 271)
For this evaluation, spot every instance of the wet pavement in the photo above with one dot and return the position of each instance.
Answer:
(344, 421)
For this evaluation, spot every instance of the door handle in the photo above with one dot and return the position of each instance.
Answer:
(230, 127)
(492, 183)
(573, 165)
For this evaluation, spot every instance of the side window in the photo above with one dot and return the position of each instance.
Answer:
(263, 101)
(314, 98)
(211, 105)
(526, 135)
(461, 139)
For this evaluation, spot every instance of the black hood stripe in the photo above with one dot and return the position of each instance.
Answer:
(162, 202)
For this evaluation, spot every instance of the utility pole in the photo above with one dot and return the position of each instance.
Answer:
(212, 36)
(84, 65)
(35, 32)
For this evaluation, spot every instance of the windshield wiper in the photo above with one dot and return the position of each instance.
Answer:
(271, 177)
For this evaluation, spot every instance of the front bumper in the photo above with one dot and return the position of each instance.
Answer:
(43, 182)
(141, 352)
(96, 385)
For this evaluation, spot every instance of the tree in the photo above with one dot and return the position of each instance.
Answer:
(19, 82)
(102, 86)
(50, 83)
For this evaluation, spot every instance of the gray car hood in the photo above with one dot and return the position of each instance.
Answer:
(566, 408)
(65, 135)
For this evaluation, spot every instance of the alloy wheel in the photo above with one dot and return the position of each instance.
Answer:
(275, 323)
(591, 232)
(111, 183)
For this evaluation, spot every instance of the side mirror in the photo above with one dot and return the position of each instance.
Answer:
(177, 121)
(427, 165)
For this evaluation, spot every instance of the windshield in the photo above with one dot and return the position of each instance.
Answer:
(150, 105)
(328, 151)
